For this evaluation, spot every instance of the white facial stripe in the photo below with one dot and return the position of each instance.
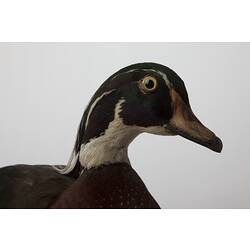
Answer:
(163, 75)
(94, 104)
(126, 72)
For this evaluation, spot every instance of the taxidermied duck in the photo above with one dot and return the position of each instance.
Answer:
(144, 97)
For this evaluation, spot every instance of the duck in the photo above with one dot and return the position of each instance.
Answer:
(140, 98)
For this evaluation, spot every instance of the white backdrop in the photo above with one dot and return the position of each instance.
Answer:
(45, 87)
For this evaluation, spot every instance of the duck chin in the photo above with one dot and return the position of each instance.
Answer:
(158, 130)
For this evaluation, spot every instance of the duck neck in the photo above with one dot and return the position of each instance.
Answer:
(110, 147)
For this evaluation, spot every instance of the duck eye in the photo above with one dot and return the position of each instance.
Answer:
(148, 84)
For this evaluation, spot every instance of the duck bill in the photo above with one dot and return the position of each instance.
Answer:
(187, 125)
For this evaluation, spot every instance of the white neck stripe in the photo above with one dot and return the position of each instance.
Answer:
(94, 104)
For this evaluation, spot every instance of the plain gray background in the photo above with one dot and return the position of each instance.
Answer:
(46, 86)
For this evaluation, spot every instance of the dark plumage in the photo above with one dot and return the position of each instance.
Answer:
(113, 186)
(26, 186)
(145, 97)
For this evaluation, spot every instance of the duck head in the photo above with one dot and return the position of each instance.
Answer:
(144, 97)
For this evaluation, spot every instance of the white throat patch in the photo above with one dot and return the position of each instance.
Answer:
(112, 146)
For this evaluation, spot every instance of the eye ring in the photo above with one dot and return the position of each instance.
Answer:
(148, 84)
